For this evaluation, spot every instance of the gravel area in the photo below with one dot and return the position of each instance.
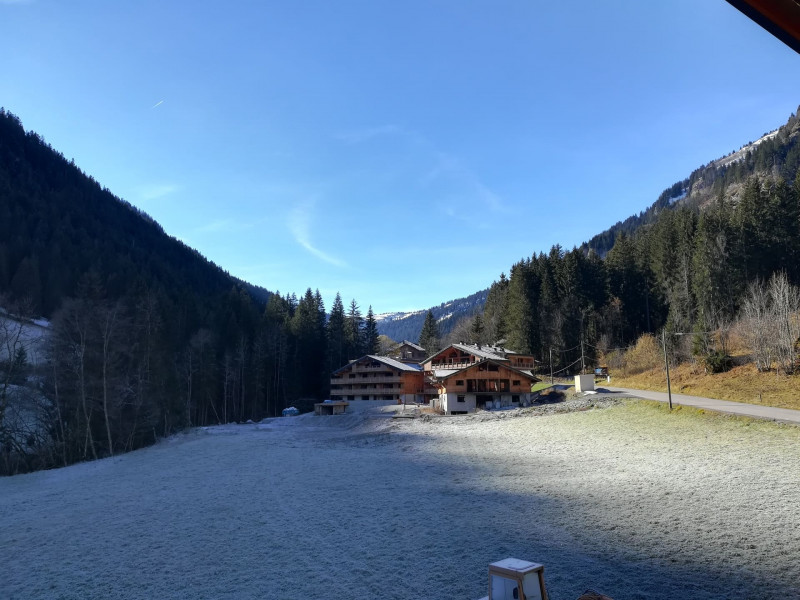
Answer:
(612, 495)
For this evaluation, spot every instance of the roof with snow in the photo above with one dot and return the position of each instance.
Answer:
(482, 351)
(389, 362)
(396, 363)
(443, 374)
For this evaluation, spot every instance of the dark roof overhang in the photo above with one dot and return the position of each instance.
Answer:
(780, 17)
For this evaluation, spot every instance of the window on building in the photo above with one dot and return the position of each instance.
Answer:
(459, 382)
(515, 382)
(461, 398)
(515, 398)
(352, 376)
(493, 367)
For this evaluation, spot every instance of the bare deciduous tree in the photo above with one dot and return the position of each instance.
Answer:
(769, 322)
(785, 304)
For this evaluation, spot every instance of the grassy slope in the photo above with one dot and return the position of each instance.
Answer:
(741, 384)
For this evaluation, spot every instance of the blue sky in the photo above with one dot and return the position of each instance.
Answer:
(402, 153)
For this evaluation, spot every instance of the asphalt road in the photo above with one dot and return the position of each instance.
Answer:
(785, 415)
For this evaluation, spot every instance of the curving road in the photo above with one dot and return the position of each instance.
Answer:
(784, 415)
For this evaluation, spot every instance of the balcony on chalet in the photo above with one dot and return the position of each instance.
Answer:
(481, 386)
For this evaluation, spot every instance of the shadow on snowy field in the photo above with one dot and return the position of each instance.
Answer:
(618, 500)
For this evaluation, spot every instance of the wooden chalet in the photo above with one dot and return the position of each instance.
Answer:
(464, 377)
(407, 352)
(374, 377)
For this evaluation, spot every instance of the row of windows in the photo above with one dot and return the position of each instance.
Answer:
(515, 382)
(462, 398)
(371, 375)
(372, 386)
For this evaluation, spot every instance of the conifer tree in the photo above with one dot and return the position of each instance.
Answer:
(495, 309)
(477, 331)
(336, 335)
(309, 356)
(520, 314)
(627, 282)
(26, 283)
(371, 343)
(354, 337)
(429, 336)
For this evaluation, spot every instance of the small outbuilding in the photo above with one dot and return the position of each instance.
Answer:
(584, 383)
(331, 407)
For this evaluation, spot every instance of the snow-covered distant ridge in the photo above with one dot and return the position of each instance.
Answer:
(407, 325)
(397, 316)
(742, 152)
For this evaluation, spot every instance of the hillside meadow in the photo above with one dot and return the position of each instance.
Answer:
(642, 367)
(629, 500)
(743, 383)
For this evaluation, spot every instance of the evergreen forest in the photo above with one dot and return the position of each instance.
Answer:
(692, 264)
(146, 336)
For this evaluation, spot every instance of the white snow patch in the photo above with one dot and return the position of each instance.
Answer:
(742, 152)
(679, 197)
(32, 336)
(396, 316)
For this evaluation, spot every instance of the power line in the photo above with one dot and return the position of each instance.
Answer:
(610, 349)
(570, 349)
(567, 367)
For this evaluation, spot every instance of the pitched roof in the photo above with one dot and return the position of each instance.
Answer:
(447, 373)
(444, 373)
(396, 363)
(412, 344)
(483, 351)
(389, 362)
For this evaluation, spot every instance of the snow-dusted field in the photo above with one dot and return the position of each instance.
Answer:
(626, 500)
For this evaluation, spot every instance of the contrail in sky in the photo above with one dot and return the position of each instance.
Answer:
(159, 103)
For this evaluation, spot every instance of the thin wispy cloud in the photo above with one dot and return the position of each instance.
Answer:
(300, 225)
(227, 225)
(489, 197)
(364, 135)
(218, 226)
(447, 168)
(451, 170)
(157, 191)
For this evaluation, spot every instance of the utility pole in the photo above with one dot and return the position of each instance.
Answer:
(583, 362)
(666, 364)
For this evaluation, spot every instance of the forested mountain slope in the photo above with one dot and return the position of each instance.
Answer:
(408, 325)
(775, 154)
(717, 187)
(57, 224)
(146, 336)
(688, 263)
